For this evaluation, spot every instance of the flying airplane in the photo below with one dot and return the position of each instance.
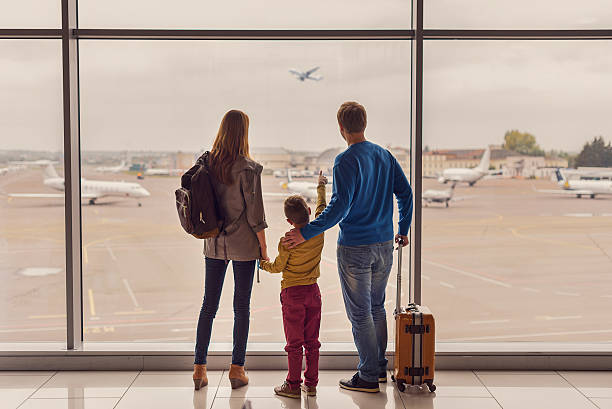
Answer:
(306, 75)
(468, 175)
(113, 169)
(580, 188)
(90, 189)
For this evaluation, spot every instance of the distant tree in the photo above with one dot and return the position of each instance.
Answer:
(426, 148)
(595, 153)
(522, 142)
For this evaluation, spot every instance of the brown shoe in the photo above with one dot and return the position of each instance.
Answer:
(310, 390)
(199, 376)
(237, 376)
(287, 390)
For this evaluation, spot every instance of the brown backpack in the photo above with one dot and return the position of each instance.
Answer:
(195, 201)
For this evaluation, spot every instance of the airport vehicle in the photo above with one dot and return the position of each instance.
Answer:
(91, 190)
(467, 175)
(113, 169)
(580, 188)
(306, 75)
(439, 196)
(415, 339)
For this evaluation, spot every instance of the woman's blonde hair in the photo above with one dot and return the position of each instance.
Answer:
(231, 143)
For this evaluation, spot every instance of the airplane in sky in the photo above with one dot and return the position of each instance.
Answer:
(580, 188)
(468, 175)
(306, 75)
(113, 169)
(91, 190)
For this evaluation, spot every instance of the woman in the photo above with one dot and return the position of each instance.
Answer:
(236, 181)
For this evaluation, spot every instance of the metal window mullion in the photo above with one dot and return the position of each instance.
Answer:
(72, 178)
(416, 170)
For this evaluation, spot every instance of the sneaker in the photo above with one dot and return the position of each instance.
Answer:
(287, 390)
(359, 385)
(310, 390)
(382, 377)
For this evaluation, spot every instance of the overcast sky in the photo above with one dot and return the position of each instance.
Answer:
(167, 95)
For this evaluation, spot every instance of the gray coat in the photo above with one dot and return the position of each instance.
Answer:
(241, 205)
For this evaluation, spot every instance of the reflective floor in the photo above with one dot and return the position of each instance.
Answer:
(456, 389)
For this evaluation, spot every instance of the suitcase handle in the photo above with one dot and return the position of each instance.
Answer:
(398, 292)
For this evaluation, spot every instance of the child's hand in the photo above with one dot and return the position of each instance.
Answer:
(322, 179)
(264, 254)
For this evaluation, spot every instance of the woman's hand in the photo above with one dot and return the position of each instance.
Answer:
(264, 254)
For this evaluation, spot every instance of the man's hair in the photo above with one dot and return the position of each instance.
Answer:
(352, 116)
(296, 209)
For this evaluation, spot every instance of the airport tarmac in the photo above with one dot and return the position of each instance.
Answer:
(505, 264)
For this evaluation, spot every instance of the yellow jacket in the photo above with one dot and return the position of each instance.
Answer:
(300, 265)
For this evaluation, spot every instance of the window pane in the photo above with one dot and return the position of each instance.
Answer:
(516, 257)
(30, 14)
(518, 14)
(157, 104)
(245, 14)
(32, 294)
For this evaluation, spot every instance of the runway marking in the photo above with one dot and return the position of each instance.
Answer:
(488, 322)
(468, 274)
(567, 317)
(578, 215)
(330, 331)
(425, 277)
(43, 317)
(447, 285)
(531, 290)
(110, 251)
(606, 296)
(515, 233)
(566, 294)
(537, 334)
(131, 293)
(92, 305)
(259, 334)
(192, 329)
(139, 312)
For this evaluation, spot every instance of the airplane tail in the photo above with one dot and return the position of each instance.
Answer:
(289, 178)
(561, 179)
(485, 160)
(50, 173)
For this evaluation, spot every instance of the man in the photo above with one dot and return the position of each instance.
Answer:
(366, 177)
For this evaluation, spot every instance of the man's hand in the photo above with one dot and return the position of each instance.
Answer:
(322, 178)
(292, 238)
(401, 240)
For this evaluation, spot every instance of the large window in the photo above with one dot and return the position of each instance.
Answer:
(32, 251)
(143, 276)
(512, 258)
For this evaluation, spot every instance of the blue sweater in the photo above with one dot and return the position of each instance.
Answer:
(366, 177)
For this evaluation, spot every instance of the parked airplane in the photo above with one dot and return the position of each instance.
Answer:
(3, 171)
(90, 189)
(306, 75)
(468, 175)
(307, 189)
(163, 172)
(113, 169)
(580, 188)
(439, 196)
(40, 162)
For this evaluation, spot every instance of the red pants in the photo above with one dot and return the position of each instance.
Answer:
(301, 320)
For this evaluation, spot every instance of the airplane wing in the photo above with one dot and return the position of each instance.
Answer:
(566, 192)
(315, 78)
(295, 72)
(277, 194)
(311, 71)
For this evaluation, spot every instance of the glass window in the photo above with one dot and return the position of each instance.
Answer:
(245, 14)
(516, 257)
(517, 14)
(32, 251)
(30, 14)
(149, 107)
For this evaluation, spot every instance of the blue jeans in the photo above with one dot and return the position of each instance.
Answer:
(213, 284)
(364, 272)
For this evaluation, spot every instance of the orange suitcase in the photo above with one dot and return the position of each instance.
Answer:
(415, 340)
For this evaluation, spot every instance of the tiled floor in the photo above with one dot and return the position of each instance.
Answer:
(169, 390)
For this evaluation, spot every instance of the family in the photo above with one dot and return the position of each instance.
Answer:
(365, 179)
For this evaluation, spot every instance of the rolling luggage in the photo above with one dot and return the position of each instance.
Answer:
(415, 340)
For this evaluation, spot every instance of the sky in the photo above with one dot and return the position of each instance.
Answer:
(171, 95)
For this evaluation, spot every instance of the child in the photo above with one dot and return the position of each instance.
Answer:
(300, 297)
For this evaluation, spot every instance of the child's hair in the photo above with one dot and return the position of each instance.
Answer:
(296, 209)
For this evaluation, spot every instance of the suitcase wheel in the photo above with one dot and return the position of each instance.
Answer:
(401, 386)
(393, 378)
(431, 386)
